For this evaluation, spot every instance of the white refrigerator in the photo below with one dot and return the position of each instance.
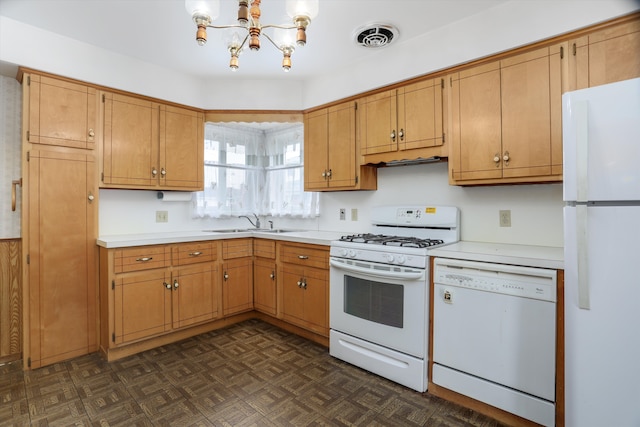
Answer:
(601, 140)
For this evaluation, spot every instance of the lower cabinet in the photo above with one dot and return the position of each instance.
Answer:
(156, 294)
(304, 286)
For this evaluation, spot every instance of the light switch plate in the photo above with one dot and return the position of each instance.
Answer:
(162, 216)
(505, 218)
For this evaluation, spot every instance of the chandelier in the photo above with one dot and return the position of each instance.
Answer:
(203, 12)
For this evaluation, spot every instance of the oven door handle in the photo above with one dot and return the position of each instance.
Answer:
(413, 275)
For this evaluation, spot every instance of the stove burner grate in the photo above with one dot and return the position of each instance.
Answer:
(381, 239)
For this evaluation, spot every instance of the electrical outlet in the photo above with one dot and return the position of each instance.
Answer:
(343, 214)
(354, 214)
(162, 216)
(505, 218)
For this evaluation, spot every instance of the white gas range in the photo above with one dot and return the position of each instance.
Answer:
(379, 291)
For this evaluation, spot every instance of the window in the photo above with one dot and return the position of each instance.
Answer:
(254, 169)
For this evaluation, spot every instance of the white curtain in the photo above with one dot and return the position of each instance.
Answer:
(254, 169)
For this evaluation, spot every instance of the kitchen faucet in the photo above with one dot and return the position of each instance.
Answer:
(256, 224)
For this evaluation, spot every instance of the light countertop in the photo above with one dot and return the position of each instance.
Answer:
(128, 240)
(500, 253)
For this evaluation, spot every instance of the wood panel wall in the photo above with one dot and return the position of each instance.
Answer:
(10, 300)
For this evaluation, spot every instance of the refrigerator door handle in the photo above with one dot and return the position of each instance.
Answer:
(580, 115)
(583, 257)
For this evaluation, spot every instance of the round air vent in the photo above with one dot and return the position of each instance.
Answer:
(375, 35)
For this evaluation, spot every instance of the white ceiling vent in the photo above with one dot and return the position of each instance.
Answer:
(375, 35)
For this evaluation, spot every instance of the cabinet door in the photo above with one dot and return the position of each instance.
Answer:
(316, 150)
(130, 146)
(61, 280)
(292, 294)
(60, 113)
(237, 286)
(195, 294)
(181, 148)
(342, 145)
(264, 285)
(378, 130)
(315, 293)
(476, 133)
(606, 56)
(142, 305)
(531, 94)
(420, 115)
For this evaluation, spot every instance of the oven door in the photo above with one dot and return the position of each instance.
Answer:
(380, 303)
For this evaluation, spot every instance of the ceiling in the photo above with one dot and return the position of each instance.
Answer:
(162, 33)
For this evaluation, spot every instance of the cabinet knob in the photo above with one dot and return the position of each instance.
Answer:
(175, 284)
(225, 276)
(163, 172)
(166, 285)
(401, 134)
(324, 174)
(154, 172)
(272, 275)
(91, 133)
(304, 284)
(329, 174)
(506, 157)
(393, 135)
(496, 159)
(90, 197)
(299, 283)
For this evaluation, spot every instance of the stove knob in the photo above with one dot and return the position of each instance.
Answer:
(343, 252)
(401, 259)
(352, 253)
(389, 257)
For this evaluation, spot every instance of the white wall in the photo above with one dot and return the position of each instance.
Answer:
(10, 114)
(536, 210)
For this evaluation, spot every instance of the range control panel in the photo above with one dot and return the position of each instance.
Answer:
(525, 282)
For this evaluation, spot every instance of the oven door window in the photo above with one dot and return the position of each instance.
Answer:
(374, 301)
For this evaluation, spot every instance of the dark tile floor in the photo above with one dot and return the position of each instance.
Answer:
(249, 374)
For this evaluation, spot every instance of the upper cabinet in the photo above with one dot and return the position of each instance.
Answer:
(330, 152)
(404, 123)
(605, 56)
(61, 113)
(151, 145)
(506, 119)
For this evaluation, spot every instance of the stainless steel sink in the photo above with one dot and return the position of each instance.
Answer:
(257, 230)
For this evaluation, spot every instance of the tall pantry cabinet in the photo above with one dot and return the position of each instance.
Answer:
(59, 219)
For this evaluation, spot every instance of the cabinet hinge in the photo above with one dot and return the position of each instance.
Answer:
(356, 179)
(450, 81)
(103, 98)
(28, 259)
(28, 156)
(561, 52)
(575, 49)
(442, 83)
(113, 337)
(356, 105)
(113, 284)
(444, 139)
(28, 80)
(28, 136)
(102, 176)
(28, 362)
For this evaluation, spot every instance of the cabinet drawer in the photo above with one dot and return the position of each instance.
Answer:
(264, 248)
(307, 255)
(237, 248)
(141, 258)
(192, 253)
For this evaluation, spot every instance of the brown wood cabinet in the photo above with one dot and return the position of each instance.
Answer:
(60, 282)
(303, 286)
(237, 276)
(148, 291)
(150, 145)
(10, 300)
(506, 119)
(59, 112)
(605, 56)
(264, 276)
(403, 123)
(331, 157)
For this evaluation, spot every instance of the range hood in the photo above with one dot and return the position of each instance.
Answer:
(407, 162)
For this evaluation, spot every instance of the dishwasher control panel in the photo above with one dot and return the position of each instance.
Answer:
(526, 282)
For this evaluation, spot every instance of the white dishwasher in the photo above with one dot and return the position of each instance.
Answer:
(494, 335)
